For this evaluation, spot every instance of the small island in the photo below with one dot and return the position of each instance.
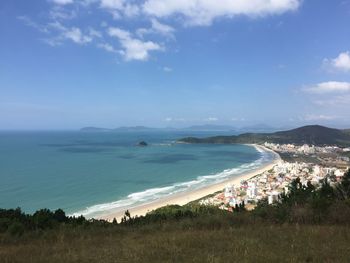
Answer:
(142, 144)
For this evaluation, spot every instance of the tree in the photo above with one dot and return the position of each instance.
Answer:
(326, 191)
(60, 216)
(242, 206)
(310, 186)
(43, 218)
(236, 208)
(126, 217)
(343, 189)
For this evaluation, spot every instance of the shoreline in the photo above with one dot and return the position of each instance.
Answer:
(192, 195)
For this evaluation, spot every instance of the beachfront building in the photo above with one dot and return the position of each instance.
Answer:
(273, 197)
(252, 190)
(229, 191)
(305, 149)
(271, 184)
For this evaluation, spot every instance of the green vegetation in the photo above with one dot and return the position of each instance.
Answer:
(314, 134)
(307, 225)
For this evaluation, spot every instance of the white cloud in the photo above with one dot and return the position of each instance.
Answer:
(203, 12)
(329, 87)
(161, 28)
(107, 47)
(167, 69)
(133, 48)
(131, 10)
(29, 22)
(170, 119)
(94, 33)
(314, 117)
(118, 7)
(341, 63)
(119, 33)
(76, 36)
(54, 42)
(57, 26)
(237, 119)
(112, 4)
(157, 28)
(334, 101)
(62, 2)
(86, 3)
(211, 119)
(133, 45)
(60, 13)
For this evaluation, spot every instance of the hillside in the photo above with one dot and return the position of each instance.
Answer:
(313, 134)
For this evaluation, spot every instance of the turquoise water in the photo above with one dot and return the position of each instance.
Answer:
(92, 173)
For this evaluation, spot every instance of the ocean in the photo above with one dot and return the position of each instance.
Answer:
(92, 173)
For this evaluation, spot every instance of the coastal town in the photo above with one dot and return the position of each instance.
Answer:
(309, 163)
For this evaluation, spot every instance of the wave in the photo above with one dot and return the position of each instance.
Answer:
(153, 194)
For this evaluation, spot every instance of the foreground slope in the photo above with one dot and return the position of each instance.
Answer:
(186, 243)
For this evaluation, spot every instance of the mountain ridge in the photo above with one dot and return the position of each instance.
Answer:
(202, 127)
(311, 134)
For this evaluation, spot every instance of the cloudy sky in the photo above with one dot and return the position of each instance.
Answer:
(65, 64)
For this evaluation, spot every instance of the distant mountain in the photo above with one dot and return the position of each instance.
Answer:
(94, 129)
(313, 134)
(148, 129)
(120, 129)
(134, 129)
(210, 127)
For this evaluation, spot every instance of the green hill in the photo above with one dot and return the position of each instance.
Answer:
(313, 134)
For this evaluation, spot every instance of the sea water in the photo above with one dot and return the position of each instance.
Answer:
(92, 173)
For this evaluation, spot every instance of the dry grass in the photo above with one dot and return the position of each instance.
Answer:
(167, 243)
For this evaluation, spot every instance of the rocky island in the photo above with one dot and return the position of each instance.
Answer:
(142, 144)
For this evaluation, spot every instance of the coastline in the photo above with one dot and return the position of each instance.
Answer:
(189, 196)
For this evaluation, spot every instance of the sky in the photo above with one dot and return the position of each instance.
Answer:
(67, 64)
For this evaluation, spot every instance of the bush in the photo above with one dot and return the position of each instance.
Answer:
(4, 224)
(43, 219)
(60, 216)
(16, 229)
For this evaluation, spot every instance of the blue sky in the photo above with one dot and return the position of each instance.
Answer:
(66, 64)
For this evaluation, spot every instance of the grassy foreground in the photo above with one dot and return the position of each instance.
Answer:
(185, 242)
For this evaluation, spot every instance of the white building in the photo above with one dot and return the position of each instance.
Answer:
(229, 190)
(272, 197)
(252, 190)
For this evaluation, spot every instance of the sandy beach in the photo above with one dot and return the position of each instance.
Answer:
(189, 196)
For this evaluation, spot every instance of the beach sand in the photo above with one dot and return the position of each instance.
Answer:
(189, 196)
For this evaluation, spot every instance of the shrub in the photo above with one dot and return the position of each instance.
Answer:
(4, 224)
(43, 219)
(16, 229)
